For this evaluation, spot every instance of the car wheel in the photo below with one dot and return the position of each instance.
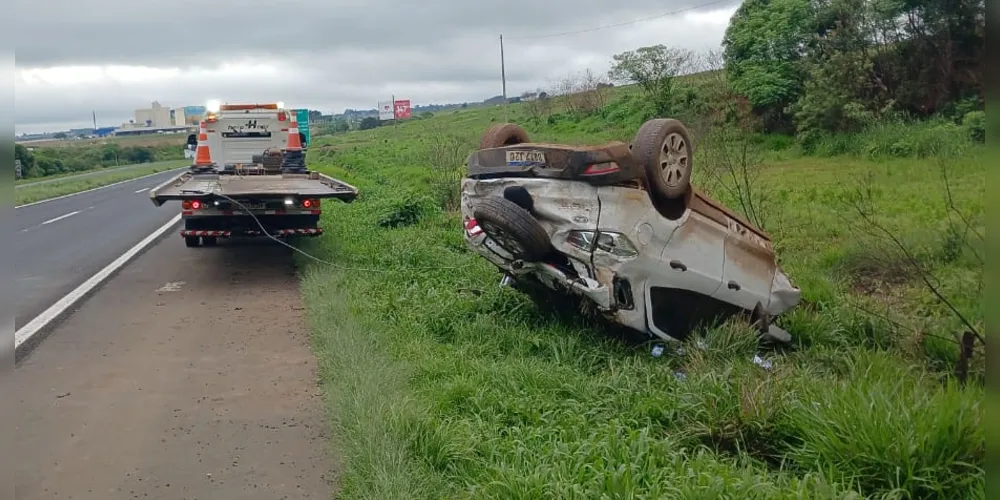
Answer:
(503, 134)
(191, 241)
(209, 241)
(663, 147)
(513, 228)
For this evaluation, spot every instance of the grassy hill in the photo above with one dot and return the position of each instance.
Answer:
(441, 384)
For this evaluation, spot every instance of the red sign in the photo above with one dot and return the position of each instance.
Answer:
(402, 108)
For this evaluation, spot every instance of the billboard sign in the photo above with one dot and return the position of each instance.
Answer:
(402, 109)
(302, 116)
(193, 115)
(385, 110)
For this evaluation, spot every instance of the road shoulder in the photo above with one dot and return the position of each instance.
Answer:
(188, 375)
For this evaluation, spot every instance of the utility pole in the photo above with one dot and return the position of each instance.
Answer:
(395, 119)
(503, 78)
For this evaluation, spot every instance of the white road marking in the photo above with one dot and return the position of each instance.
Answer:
(61, 217)
(173, 286)
(141, 190)
(95, 189)
(62, 305)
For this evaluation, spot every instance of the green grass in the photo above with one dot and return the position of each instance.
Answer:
(31, 193)
(442, 385)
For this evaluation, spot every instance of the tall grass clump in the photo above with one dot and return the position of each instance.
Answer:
(896, 139)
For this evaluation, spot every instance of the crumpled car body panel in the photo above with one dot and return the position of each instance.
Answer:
(659, 268)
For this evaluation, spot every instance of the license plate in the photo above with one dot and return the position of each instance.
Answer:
(255, 206)
(522, 158)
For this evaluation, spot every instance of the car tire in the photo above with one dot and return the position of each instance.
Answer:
(209, 241)
(192, 241)
(663, 147)
(513, 228)
(503, 134)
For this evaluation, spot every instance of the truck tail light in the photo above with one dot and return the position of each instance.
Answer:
(309, 203)
(601, 168)
(281, 116)
(191, 204)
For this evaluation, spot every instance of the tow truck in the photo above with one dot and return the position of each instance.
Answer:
(250, 178)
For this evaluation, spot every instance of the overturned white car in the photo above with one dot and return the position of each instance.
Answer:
(622, 226)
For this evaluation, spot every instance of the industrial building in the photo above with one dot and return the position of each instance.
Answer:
(156, 119)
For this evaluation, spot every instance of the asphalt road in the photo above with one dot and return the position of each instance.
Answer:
(61, 243)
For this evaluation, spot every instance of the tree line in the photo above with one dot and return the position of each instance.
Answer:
(810, 68)
(42, 162)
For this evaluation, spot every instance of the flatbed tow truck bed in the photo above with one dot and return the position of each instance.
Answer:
(205, 186)
(219, 204)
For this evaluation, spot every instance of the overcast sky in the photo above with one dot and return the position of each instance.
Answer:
(114, 56)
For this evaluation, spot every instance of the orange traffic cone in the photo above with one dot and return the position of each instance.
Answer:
(202, 156)
(294, 159)
(294, 140)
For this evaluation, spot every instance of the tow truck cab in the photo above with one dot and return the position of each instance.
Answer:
(237, 132)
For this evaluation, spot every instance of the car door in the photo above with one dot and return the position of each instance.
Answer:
(694, 256)
(749, 268)
(689, 273)
(679, 259)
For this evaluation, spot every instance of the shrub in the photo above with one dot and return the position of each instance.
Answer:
(974, 123)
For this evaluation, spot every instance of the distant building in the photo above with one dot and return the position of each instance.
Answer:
(177, 117)
(156, 116)
(156, 119)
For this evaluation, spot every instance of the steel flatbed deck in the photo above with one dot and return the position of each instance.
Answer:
(207, 185)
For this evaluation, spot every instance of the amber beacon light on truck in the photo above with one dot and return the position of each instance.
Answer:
(213, 108)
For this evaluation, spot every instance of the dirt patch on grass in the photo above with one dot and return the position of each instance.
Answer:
(875, 274)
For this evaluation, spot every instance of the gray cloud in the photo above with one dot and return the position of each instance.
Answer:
(334, 55)
(179, 32)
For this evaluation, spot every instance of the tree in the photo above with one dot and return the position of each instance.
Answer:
(137, 155)
(763, 47)
(28, 168)
(584, 93)
(341, 126)
(654, 69)
(834, 64)
(369, 122)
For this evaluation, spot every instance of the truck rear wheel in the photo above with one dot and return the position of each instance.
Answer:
(192, 241)
(209, 241)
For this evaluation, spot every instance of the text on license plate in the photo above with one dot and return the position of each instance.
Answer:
(255, 206)
(525, 158)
